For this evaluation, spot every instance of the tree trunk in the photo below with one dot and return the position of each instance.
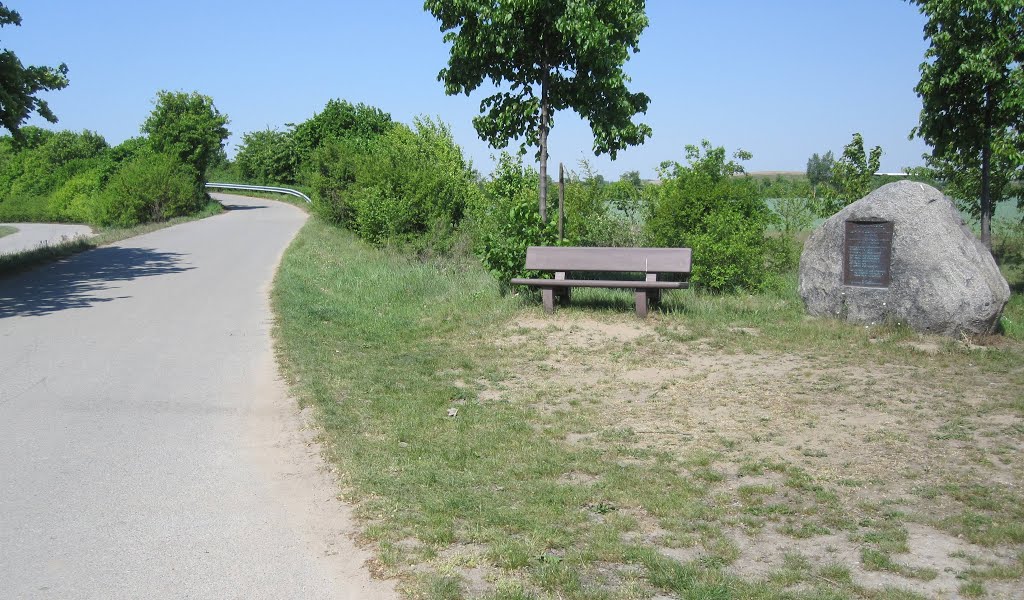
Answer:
(544, 121)
(986, 177)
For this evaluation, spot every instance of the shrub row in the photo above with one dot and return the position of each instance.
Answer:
(397, 186)
(78, 177)
(392, 183)
(283, 157)
(708, 204)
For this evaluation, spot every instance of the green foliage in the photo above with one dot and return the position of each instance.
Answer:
(710, 207)
(556, 55)
(962, 179)
(339, 120)
(819, 170)
(852, 176)
(562, 54)
(129, 149)
(77, 199)
(25, 209)
(20, 85)
(598, 213)
(53, 159)
(151, 187)
(30, 172)
(585, 207)
(188, 127)
(972, 89)
(69, 176)
(396, 186)
(268, 156)
(509, 222)
(795, 214)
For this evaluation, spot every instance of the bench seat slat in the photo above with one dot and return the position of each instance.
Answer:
(602, 283)
(641, 260)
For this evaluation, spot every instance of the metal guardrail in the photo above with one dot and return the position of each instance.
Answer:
(259, 188)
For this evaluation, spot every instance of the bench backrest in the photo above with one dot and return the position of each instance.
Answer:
(638, 260)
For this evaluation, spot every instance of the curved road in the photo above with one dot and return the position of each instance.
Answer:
(33, 235)
(147, 447)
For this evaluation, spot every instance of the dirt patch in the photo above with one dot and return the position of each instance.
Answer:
(577, 478)
(941, 554)
(563, 331)
(802, 454)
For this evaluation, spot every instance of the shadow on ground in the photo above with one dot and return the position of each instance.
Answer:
(243, 206)
(73, 283)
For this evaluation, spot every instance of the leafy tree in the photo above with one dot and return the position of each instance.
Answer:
(553, 55)
(19, 85)
(962, 180)
(819, 170)
(187, 126)
(852, 176)
(972, 88)
(338, 120)
(268, 156)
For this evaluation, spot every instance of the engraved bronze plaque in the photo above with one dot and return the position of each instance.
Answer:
(867, 254)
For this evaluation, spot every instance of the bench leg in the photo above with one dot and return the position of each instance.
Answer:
(642, 302)
(563, 295)
(548, 294)
(655, 297)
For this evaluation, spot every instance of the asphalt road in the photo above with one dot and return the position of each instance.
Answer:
(147, 447)
(32, 235)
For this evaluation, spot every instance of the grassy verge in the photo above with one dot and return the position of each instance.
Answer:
(6, 230)
(727, 447)
(12, 263)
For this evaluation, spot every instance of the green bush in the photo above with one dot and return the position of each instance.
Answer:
(36, 171)
(187, 126)
(46, 161)
(395, 187)
(509, 221)
(76, 200)
(339, 120)
(151, 187)
(26, 209)
(331, 173)
(710, 207)
(267, 156)
(599, 213)
(129, 150)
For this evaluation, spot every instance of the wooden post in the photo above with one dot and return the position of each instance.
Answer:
(561, 200)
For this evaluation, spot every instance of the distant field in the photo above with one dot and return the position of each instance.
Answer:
(1008, 210)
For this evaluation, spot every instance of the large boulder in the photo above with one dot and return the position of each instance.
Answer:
(903, 254)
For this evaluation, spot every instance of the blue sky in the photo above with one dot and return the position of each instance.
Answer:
(780, 79)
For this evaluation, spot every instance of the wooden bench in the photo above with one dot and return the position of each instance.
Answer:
(653, 263)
